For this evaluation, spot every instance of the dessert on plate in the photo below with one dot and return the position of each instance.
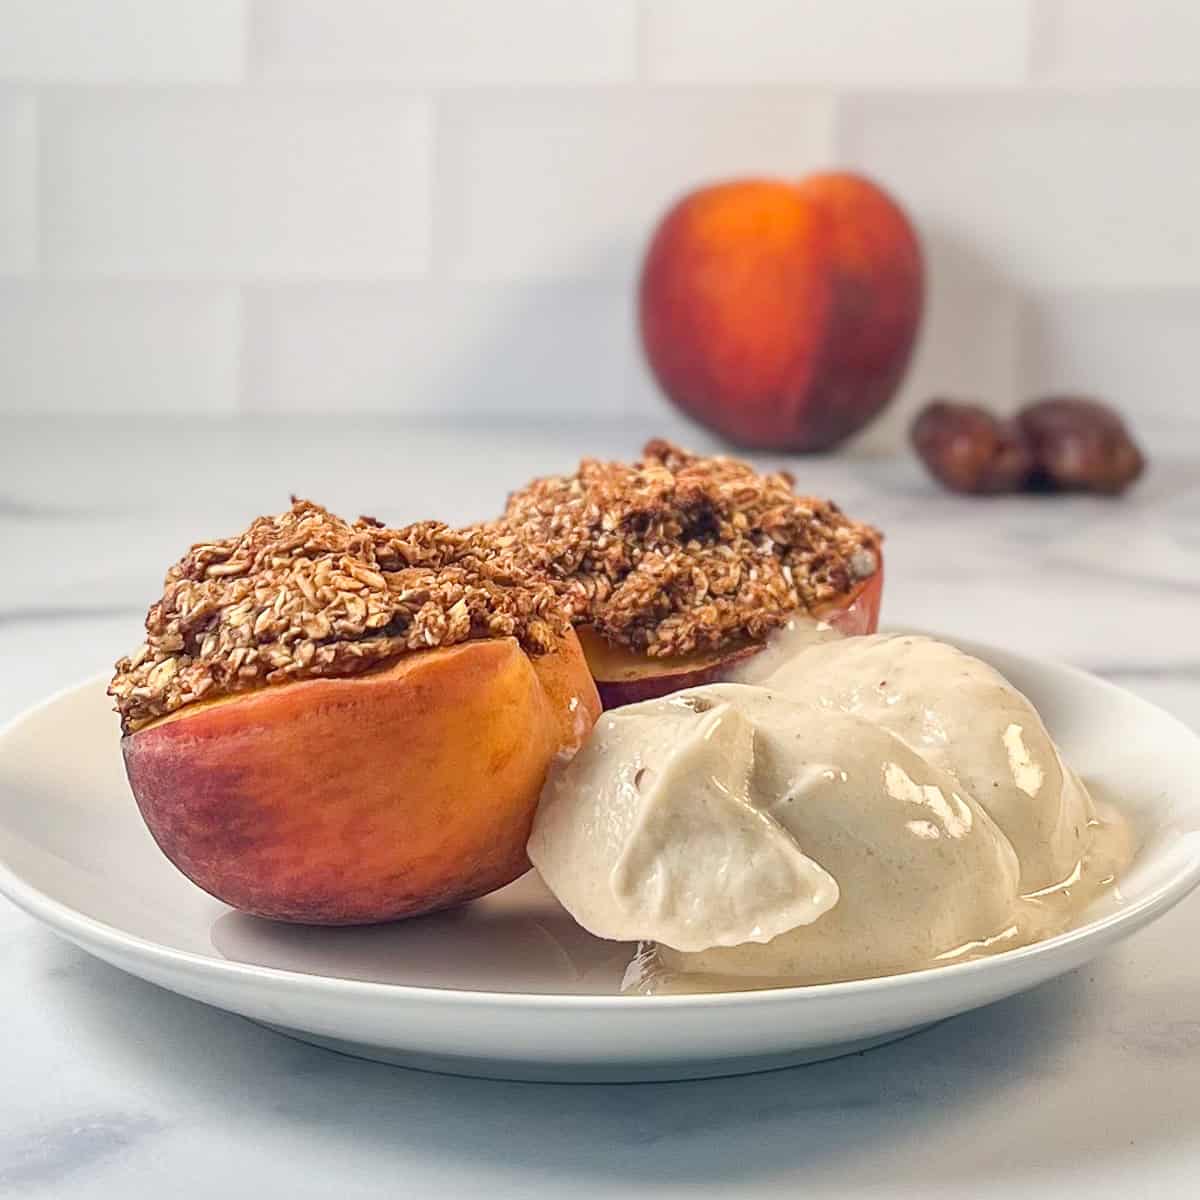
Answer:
(870, 805)
(678, 566)
(342, 723)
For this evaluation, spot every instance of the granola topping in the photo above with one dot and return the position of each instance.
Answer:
(678, 553)
(306, 594)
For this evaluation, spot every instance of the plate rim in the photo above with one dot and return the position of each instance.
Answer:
(86, 931)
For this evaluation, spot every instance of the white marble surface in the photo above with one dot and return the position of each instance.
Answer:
(1088, 1087)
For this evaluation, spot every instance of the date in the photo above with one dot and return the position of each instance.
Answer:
(1055, 444)
(969, 450)
(1080, 444)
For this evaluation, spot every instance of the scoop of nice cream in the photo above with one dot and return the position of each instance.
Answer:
(850, 807)
(766, 836)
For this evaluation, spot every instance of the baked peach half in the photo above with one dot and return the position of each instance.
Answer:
(364, 799)
(625, 676)
(678, 566)
(339, 723)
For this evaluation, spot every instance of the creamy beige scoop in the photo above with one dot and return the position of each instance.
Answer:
(959, 714)
(870, 805)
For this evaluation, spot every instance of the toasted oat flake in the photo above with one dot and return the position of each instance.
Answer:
(678, 552)
(306, 594)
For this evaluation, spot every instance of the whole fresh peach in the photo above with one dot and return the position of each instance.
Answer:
(782, 315)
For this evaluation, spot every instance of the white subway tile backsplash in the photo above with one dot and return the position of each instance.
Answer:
(1136, 349)
(126, 41)
(277, 183)
(118, 348)
(438, 209)
(571, 186)
(561, 351)
(1154, 42)
(448, 42)
(1055, 191)
(18, 189)
(868, 43)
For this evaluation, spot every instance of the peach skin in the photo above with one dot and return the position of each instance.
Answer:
(364, 799)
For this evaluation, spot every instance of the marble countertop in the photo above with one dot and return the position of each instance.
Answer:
(1086, 1087)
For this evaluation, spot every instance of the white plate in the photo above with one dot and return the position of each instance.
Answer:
(509, 986)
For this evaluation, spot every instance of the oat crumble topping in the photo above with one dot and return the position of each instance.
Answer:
(679, 553)
(673, 554)
(306, 594)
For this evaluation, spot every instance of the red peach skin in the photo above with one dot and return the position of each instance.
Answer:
(782, 315)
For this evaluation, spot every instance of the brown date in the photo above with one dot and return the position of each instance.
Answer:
(1079, 444)
(967, 449)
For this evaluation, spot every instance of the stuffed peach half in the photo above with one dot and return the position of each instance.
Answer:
(678, 567)
(339, 724)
